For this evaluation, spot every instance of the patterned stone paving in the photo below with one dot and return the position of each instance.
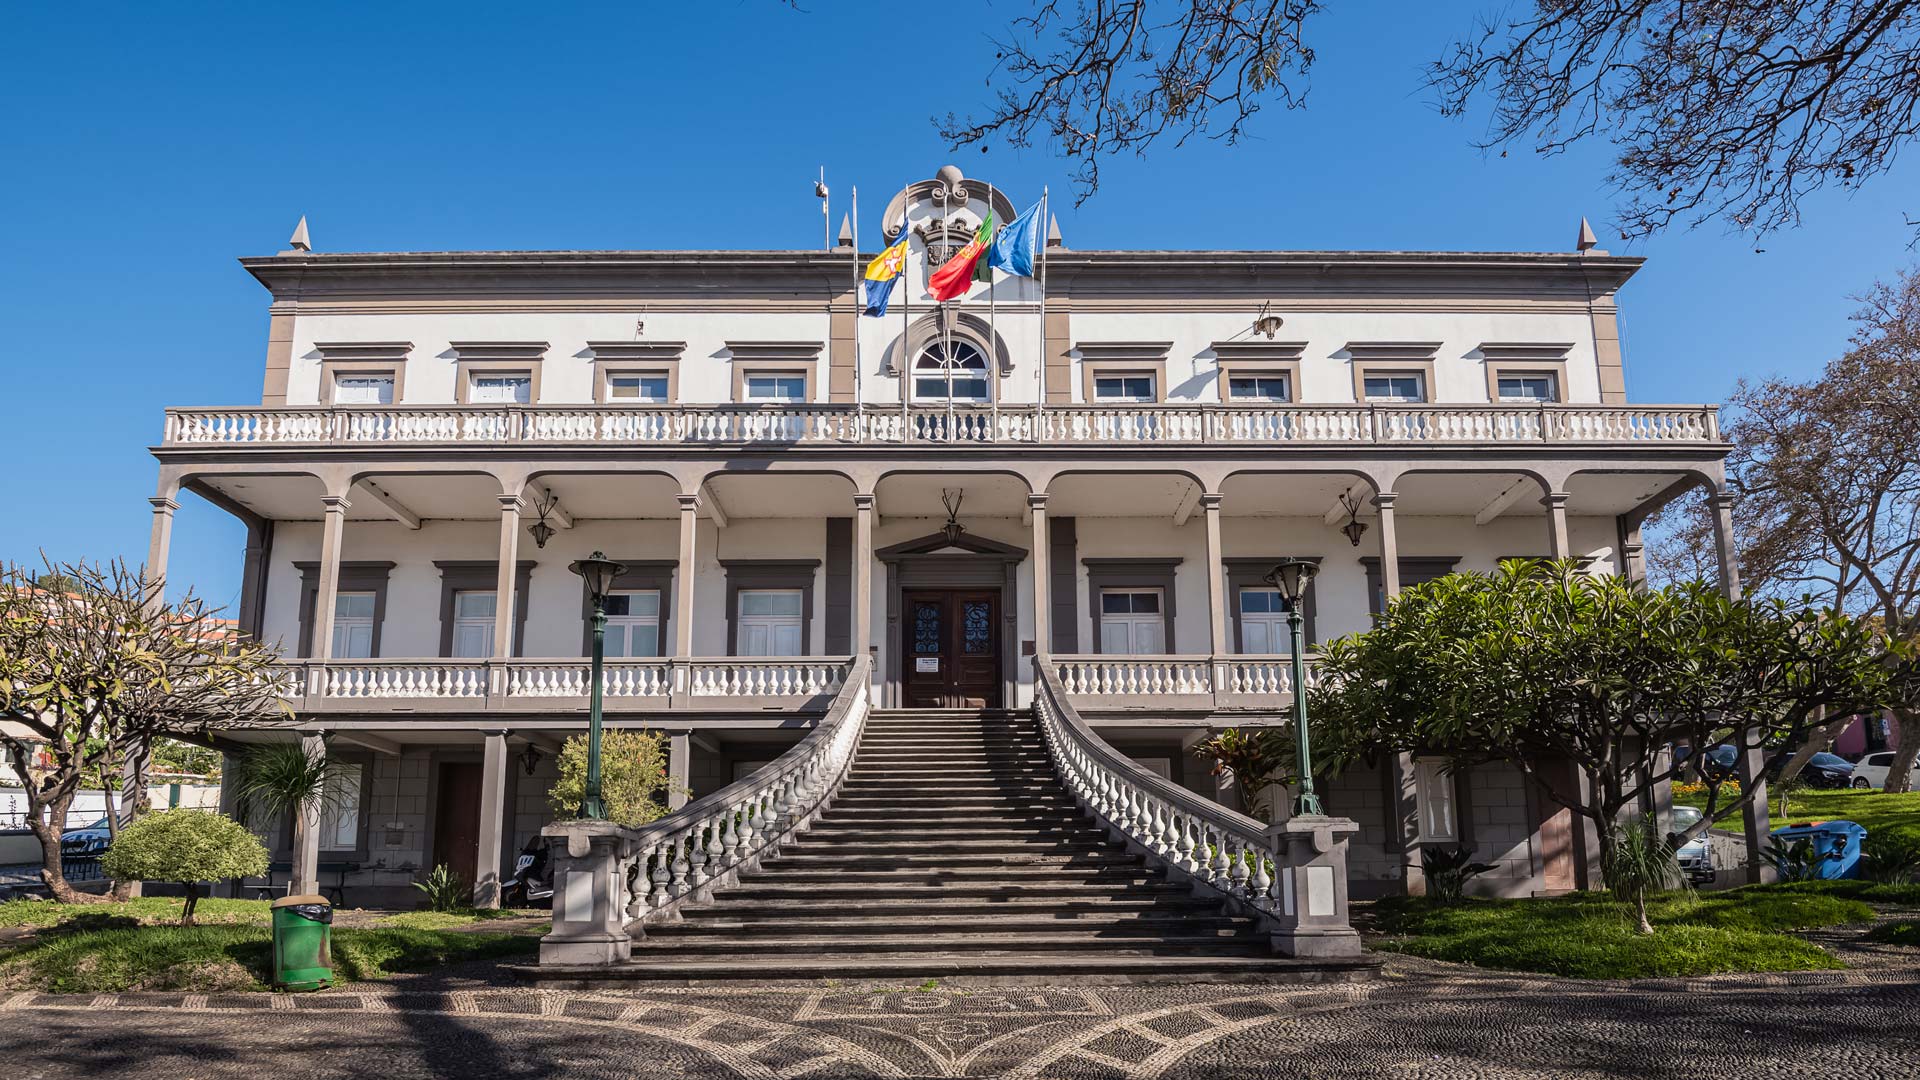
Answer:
(1854, 1023)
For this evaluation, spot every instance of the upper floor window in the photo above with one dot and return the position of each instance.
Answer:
(638, 388)
(775, 387)
(1395, 386)
(771, 623)
(633, 623)
(363, 390)
(473, 622)
(1131, 623)
(1121, 389)
(1276, 387)
(1528, 386)
(1263, 621)
(353, 625)
(956, 372)
(501, 389)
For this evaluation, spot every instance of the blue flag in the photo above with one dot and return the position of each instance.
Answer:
(1017, 245)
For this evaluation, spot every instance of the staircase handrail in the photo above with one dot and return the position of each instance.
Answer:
(705, 845)
(1219, 849)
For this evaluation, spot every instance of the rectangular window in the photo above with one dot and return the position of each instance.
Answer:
(770, 623)
(633, 623)
(1123, 389)
(1263, 621)
(776, 388)
(646, 389)
(363, 390)
(340, 808)
(1130, 622)
(1528, 386)
(352, 626)
(1257, 388)
(501, 390)
(1396, 386)
(1433, 788)
(473, 623)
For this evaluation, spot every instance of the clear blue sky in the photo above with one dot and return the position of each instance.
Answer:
(148, 146)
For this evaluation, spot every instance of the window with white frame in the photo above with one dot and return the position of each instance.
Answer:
(501, 389)
(637, 387)
(1131, 623)
(770, 623)
(353, 625)
(473, 622)
(633, 623)
(1260, 387)
(775, 387)
(1433, 791)
(363, 390)
(1263, 621)
(955, 371)
(340, 808)
(1395, 386)
(1527, 386)
(1124, 388)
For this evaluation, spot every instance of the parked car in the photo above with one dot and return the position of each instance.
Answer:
(88, 843)
(1696, 855)
(1823, 770)
(1719, 761)
(1871, 772)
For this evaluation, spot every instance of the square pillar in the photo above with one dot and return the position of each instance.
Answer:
(1313, 887)
(332, 532)
(160, 540)
(306, 829)
(679, 769)
(589, 896)
(1389, 545)
(1042, 576)
(503, 598)
(493, 817)
(1723, 544)
(862, 574)
(684, 575)
(1557, 542)
(1216, 593)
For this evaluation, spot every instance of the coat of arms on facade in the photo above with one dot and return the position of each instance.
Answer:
(945, 235)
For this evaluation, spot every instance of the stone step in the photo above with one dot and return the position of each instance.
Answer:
(1016, 876)
(761, 888)
(1078, 859)
(986, 944)
(1161, 924)
(855, 835)
(1008, 969)
(951, 753)
(920, 818)
(884, 802)
(1015, 903)
(882, 785)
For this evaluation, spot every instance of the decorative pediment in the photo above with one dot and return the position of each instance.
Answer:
(940, 545)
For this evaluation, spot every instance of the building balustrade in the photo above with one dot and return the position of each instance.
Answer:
(880, 425)
(536, 685)
(1199, 681)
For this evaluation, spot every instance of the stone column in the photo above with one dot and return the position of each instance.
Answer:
(862, 574)
(589, 896)
(1403, 802)
(1389, 545)
(1217, 642)
(1557, 542)
(1723, 543)
(1313, 887)
(683, 583)
(493, 815)
(1633, 556)
(306, 835)
(332, 533)
(1752, 764)
(506, 577)
(679, 769)
(1042, 579)
(160, 542)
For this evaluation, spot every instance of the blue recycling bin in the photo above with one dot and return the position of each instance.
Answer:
(1836, 844)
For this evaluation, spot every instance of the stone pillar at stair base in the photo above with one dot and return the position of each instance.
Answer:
(1312, 912)
(589, 897)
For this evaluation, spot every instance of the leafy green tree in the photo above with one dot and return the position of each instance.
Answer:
(1539, 663)
(1256, 758)
(186, 759)
(633, 776)
(187, 847)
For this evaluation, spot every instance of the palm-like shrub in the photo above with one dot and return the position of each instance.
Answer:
(446, 890)
(1640, 864)
(1890, 856)
(187, 847)
(1447, 870)
(1256, 758)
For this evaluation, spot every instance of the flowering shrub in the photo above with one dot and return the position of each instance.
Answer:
(1729, 789)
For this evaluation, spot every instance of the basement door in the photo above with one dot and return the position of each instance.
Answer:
(952, 649)
(456, 818)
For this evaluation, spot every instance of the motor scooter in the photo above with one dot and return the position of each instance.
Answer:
(532, 882)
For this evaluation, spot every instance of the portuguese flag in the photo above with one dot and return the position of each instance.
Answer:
(957, 274)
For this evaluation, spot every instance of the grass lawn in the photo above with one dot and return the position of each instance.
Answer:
(1591, 936)
(106, 948)
(1905, 932)
(1872, 809)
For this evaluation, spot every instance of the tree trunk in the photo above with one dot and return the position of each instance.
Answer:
(1640, 909)
(1900, 776)
(193, 897)
(49, 827)
(1820, 739)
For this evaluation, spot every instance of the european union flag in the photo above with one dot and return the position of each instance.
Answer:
(1017, 246)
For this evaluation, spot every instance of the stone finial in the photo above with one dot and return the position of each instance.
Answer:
(1587, 241)
(1053, 232)
(846, 231)
(298, 241)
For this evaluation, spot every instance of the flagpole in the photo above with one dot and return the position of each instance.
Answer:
(856, 314)
(906, 331)
(946, 321)
(993, 335)
(1040, 387)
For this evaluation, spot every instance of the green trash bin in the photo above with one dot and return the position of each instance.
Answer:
(302, 942)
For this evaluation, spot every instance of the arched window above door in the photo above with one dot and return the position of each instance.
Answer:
(950, 371)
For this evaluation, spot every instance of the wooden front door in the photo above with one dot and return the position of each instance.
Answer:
(951, 649)
(1553, 828)
(456, 818)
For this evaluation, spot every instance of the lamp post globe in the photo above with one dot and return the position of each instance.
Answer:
(599, 573)
(1293, 578)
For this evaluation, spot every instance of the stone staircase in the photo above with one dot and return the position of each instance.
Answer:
(952, 850)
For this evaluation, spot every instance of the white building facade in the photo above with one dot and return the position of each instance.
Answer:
(1088, 474)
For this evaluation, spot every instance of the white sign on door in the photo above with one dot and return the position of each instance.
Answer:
(926, 663)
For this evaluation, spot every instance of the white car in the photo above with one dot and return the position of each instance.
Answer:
(1872, 770)
(1696, 857)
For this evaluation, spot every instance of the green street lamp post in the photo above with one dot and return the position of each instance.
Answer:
(1293, 578)
(599, 572)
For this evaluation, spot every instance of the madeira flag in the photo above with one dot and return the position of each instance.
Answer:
(956, 276)
(883, 273)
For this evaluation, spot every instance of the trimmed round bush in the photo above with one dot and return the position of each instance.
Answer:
(186, 847)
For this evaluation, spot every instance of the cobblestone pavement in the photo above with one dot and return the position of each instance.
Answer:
(1418, 1024)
